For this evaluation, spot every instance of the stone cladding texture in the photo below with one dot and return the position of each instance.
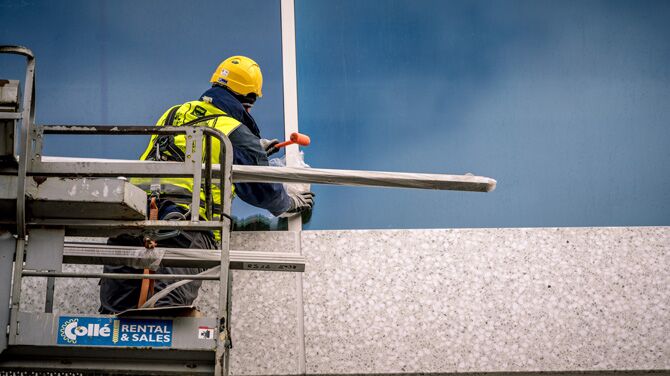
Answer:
(462, 300)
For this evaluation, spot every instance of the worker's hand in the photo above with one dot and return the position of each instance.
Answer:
(270, 146)
(300, 202)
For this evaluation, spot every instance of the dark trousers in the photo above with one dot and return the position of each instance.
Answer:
(118, 295)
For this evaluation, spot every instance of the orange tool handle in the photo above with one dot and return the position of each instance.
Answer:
(296, 138)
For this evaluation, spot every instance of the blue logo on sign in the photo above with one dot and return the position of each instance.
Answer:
(109, 331)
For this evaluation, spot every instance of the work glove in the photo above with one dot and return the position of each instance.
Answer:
(300, 202)
(270, 146)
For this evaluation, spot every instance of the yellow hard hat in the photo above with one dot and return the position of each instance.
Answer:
(240, 74)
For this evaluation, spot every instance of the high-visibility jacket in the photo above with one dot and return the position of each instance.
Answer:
(180, 190)
(234, 121)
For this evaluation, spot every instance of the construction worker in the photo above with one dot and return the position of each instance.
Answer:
(236, 85)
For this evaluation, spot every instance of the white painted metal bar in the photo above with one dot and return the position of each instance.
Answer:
(111, 168)
(363, 178)
(102, 254)
(471, 183)
(290, 83)
(192, 277)
(126, 225)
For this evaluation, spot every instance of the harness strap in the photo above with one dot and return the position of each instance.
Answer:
(147, 288)
(171, 115)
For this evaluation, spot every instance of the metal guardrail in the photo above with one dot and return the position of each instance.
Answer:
(198, 148)
(102, 254)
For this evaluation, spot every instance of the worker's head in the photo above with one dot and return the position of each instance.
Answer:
(242, 76)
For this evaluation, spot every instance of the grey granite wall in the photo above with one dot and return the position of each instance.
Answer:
(464, 300)
(487, 300)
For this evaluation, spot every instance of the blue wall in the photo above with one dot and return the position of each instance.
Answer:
(566, 104)
(126, 62)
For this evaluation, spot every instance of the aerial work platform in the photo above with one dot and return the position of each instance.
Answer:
(73, 198)
(44, 199)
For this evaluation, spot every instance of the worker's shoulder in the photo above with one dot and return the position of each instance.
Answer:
(219, 117)
(202, 108)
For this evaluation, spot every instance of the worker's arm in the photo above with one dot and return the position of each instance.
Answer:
(247, 151)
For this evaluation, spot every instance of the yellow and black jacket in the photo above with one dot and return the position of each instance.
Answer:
(229, 117)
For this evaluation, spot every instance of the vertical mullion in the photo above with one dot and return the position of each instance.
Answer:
(292, 151)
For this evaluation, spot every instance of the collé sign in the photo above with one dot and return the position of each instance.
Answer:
(112, 331)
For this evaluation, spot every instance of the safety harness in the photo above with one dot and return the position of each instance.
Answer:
(163, 149)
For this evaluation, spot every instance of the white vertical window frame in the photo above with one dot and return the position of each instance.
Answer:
(292, 153)
(290, 90)
(290, 77)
